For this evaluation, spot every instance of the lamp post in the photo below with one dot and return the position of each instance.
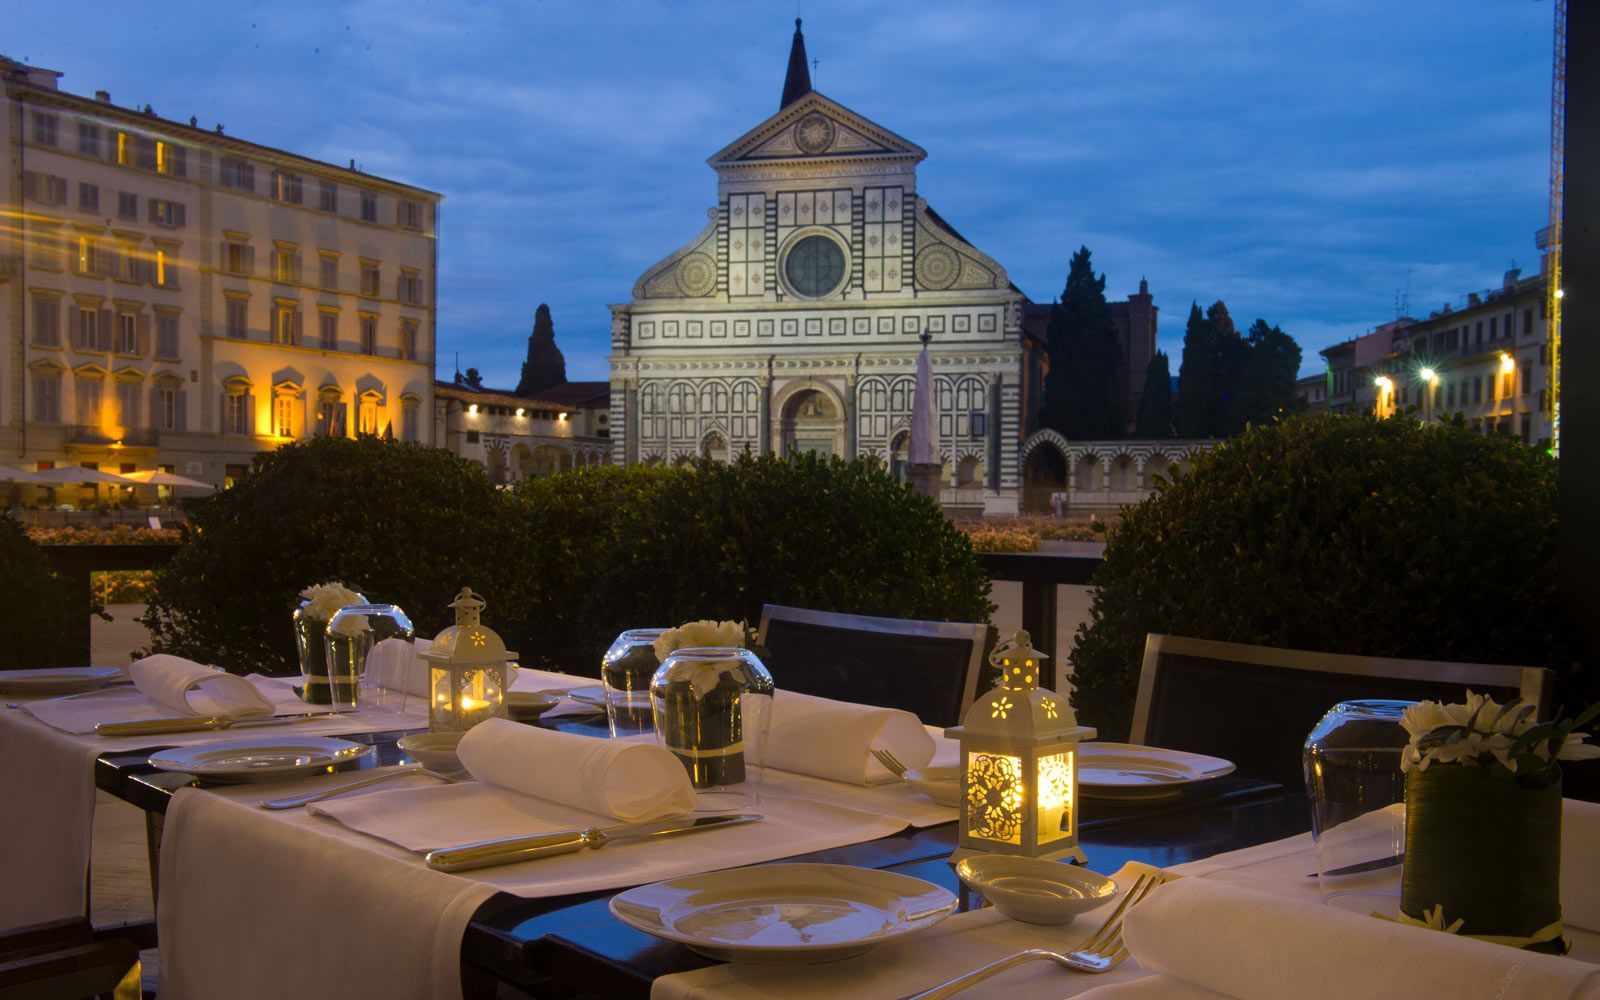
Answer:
(1430, 378)
(1385, 386)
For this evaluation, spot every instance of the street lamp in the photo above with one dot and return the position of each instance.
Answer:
(1385, 386)
(1430, 378)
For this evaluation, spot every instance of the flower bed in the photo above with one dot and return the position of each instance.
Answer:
(1024, 534)
(122, 586)
(116, 534)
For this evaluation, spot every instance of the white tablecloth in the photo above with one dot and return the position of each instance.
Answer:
(47, 794)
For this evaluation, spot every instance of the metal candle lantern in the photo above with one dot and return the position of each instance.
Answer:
(1019, 763)
(466, 670)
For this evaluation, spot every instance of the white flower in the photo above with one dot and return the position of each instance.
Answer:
(327, 598)
(1576, 749)
(1424, 717)
(701, 633)
(348, 626)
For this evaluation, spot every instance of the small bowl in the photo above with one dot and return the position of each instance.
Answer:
(529, 705)
(1033, 890)
(434, 751)
(941, 784)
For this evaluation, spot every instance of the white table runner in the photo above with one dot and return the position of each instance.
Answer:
(47, 790)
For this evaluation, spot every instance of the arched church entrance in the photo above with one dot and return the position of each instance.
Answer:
(1044, 475)
(812, 423)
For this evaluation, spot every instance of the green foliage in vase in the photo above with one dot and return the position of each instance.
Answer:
(613, 548)
(43, 611)
(1344, 534)
(404, 523)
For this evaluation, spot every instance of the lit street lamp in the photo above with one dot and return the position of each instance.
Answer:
(1430, 378)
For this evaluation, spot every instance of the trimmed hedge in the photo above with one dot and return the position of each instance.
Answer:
(44, 612)
(1344, 534)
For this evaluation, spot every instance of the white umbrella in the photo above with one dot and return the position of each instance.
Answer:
(924, 415)
(155, 477)
(19, 476)
(80, 474)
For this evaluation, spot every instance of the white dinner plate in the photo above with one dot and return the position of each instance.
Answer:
(260, 758)
(594, 695)
(798, 914)
(58, 680)
(1121, 771)
(530, 704)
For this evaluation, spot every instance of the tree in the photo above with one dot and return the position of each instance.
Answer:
(1263, 377)
(1230, 361)
(1080, 394)
(472, 378)
(545, 366)
(1155, 403)
(1197, 377)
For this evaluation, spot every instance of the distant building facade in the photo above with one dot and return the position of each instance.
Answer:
(1134, 319)
(176, 298)
(513, 437)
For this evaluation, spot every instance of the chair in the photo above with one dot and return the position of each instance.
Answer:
(929, 669)
(1255, 705)
(65, 960)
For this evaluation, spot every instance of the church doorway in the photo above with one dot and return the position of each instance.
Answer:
(900, 455)
(1044, 475)
(812, 423)
(715, 447)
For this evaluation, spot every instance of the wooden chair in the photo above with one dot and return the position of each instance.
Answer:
(1255, 705)
(64, 960)
(929, 669)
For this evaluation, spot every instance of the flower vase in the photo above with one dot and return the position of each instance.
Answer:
(309, 642)
(711, 710)
(1485, 850)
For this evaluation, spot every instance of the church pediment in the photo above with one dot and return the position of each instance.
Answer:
(815, 128)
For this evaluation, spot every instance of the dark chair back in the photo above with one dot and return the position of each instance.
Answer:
(929, 669)
(1255, 705)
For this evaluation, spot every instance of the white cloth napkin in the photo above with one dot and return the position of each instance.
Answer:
(1253, 946)
(190, 688)
(833, 739)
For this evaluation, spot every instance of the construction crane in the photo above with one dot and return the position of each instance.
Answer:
(1553, 290)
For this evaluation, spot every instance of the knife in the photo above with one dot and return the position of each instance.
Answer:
(510, 850)
(201, 723)
(1363, 866)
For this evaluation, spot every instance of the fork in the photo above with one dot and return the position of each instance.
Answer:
(890, 761)
(1103, 951)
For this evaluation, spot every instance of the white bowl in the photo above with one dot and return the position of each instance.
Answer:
(1034, 890)
(941, 784)
(434, 751)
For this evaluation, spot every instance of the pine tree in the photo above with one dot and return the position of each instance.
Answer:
(1231, 358)
(1197, 377)
(1264, 377)
(472, 379)
(1080, 393)
(1155, 404)
(545, 366)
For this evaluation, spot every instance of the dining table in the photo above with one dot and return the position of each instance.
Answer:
(572, 945)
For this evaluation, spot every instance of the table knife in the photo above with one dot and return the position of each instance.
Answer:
(1363, 866)
(510, 850)
(201, 723)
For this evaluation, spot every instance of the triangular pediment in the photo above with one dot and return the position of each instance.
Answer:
(815, 128)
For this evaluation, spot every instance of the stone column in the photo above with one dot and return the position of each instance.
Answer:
(765, 382)
(850, 442)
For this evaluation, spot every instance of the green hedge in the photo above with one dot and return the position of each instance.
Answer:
(1344, 534)
(43, 612)
(404, 523)
(614, 548)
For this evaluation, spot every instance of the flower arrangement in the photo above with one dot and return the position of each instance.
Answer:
(327, 598)
(701, 633)
(1485, 732)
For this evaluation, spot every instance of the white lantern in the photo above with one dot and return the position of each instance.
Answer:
(466, 670)
(1019, 763)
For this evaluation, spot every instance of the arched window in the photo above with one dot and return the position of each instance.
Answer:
(288, 410)
(332, 413)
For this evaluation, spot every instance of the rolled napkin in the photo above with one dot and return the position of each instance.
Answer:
(834, 739)
(632, 782)
(190, 688)
(1251, 946)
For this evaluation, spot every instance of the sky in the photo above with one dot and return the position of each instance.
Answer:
(1317, 164)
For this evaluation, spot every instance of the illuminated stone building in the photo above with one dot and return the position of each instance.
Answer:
(512, 437)
(174, 297)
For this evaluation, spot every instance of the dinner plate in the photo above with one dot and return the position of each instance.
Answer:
(530, 704)
(594, 695)
(1121, 771)
(799, 914)
(260, 758)
(58, 680)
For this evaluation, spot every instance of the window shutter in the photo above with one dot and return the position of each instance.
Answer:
(222, 415)
(74, 326)
(249, 260)
(142, 325)
(183, 409)
(180, 161)
(58, 190)
(179, 215)
(249, 413)
(108, 261)
(155, 410)
(103, 330)
(297, 330)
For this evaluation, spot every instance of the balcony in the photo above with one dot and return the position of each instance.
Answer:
(81, 436)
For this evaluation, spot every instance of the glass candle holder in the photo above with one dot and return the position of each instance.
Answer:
(350, 638)
(1358, 793)
(712, 707)
(626, 671)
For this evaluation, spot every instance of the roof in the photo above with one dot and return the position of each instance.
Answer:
(568, 394)
(797, 81)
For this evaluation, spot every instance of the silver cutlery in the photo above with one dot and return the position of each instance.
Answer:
(511, 850)
(1103, 951)
(202, 723)
(890, 761)
(294, 802)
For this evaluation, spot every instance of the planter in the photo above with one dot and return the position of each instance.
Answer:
(1488, 850)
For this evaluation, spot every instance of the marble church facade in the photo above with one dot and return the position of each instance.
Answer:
(793, 319)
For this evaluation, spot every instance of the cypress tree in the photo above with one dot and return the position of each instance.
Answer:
(1197, 377)
(1155, 403)
(1264, 377)
(545, 366)
(1080, 397)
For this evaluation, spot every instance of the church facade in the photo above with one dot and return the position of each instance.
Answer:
(793, 319)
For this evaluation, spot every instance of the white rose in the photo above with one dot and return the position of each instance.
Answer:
(327, 598)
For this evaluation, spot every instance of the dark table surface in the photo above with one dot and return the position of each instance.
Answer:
(571, 946)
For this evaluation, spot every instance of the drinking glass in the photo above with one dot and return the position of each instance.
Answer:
(626, 670)
(1358, 793)
(713, 707)
(352, 636)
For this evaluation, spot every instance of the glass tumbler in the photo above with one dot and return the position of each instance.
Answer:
(1358, 793)
(713, 707)
(368, 670)
(626, 670)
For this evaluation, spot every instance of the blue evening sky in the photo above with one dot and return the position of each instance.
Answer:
(1304, 161)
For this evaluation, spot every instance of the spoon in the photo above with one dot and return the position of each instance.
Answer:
(448, 777)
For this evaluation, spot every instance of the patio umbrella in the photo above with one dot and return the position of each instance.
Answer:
(79, 474)
(155, 477)
(19, 476)
(924, 413)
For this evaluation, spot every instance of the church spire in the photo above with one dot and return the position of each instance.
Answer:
(797, 83)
